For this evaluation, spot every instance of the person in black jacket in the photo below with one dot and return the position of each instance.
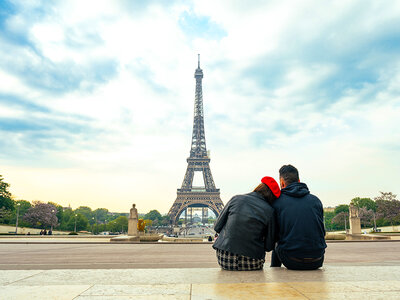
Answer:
(301, 232)
(246, 228)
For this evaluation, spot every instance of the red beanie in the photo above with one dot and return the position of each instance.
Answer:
(272, 184)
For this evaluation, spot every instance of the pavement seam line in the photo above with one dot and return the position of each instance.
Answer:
(288, 283)
(190, 295)
(83, 292)
(25, 277)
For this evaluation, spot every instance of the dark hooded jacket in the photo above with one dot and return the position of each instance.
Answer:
(300, 222)
(246, 226)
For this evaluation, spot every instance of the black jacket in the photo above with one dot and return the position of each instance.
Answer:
(300, 218)
(246, 226)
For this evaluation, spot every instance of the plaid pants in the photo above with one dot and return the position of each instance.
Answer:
(235, 262)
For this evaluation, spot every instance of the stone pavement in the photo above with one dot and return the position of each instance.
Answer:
(331, 282)
(352, 270)
(70, 255)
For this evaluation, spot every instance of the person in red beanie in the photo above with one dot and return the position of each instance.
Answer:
(246, 228)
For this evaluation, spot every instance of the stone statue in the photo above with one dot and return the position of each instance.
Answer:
(133, 221)
(355, 224)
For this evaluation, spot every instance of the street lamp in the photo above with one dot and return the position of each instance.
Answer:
(52, 212)
(93, 225)
(75, 222)
(16, 223)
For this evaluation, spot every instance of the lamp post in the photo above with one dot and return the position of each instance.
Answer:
(16, 222)
(52, 212)
(93, 225)
(75, 222)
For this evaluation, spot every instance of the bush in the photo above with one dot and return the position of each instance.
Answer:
(73, 233)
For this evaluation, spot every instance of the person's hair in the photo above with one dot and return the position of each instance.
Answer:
(289, 174)
(266, 192)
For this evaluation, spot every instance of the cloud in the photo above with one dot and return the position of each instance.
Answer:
(100, 87)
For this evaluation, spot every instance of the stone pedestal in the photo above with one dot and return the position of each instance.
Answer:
(355, 224)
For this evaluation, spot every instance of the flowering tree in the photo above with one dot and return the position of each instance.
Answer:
(388, 206)
(41, 214)
(341, 219)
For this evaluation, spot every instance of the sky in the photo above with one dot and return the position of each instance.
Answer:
(96, 97)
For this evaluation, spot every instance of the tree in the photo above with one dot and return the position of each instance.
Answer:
(328, 216)
(366, 215)
(41, 214)
(81, 222)
(153, 215)
(60, 211)
(341, 208)
(120, 224)
(84, 210)
(4, 214)
(66, 216)
(24, 206)
(100, 214)
(368, 203)
(165, 220)
(388, 196)
(6, 201)
(341, 219)
(388, 206)
(366, 208)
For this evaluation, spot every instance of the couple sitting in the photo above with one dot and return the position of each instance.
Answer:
(287, 221)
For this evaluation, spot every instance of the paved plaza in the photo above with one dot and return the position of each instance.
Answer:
(353, 270)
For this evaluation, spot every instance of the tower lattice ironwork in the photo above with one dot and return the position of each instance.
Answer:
(189, 196)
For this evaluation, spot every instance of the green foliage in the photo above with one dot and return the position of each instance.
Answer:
(100, 214)
(85, 211)
(6, 201)
(341, 208)
(21, 209)
(5, 215)
(368, 203)
(328, 216)
(120, 224)
(153, 215)
(60, 210)
(81, 222)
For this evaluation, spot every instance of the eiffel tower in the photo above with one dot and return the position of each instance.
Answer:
(189, 196)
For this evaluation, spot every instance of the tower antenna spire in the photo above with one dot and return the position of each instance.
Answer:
(198, 61)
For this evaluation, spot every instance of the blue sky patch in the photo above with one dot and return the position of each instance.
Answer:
(195, 26)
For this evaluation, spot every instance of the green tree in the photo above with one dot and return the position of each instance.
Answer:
(59, 213)
(153, 215)
(100, 215)
(81, 222)
(165, 220)
(368, 203)
(66, 216)
(24, 206)
(84, 210)
(6, 201)
(328, 216)
(120, 224)
(341, 208)
(5, 215)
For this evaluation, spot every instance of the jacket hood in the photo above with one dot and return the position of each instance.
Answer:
(296, 189)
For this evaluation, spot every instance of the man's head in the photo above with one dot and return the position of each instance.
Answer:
(288, 175)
